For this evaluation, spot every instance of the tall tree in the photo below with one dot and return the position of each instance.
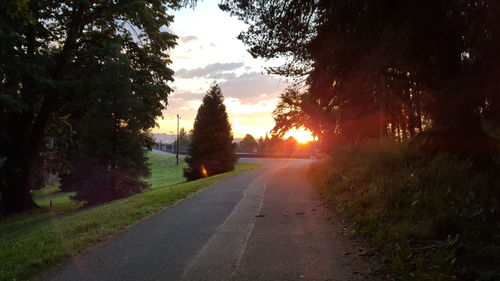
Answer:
(43, 42)
(387, 65)
(211, 150)
(108, 155)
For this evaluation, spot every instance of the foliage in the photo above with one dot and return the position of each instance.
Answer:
(296, 109)
(383, 68)
(36, 241)
(248, 143)
(211, 150)
(433, 216)
(184, 138)
(52, 53)
(108, 153)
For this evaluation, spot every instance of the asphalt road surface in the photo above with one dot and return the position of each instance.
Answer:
(261, 225)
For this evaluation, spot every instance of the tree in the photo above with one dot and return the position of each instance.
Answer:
(297, 109)
(387, 66)
(211, 150)
(261, 145)
(42, 46)
(184, 138)
(108, 156)
(248, 143)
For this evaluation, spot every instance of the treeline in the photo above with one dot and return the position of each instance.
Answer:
(375, 69)
(276, 146)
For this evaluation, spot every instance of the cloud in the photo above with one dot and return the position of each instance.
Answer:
(222, 75)
(186, 96)
(186, 39)
(208, 71)
(252, 87)
(237, 108)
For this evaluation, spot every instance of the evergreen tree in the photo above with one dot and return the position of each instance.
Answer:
(261, 145)
(108, 156)
(211, 150)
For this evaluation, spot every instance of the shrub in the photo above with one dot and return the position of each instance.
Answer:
(435, 217)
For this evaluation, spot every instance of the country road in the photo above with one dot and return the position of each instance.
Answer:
(261, 225)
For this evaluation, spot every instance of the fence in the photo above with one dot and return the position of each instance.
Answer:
(170, 148)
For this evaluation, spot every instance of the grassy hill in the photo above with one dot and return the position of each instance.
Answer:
(34, 242)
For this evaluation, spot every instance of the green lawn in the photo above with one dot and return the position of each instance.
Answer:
(34, 242)
(164, 171)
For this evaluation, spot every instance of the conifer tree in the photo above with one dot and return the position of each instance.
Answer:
(211, 150)
(107, 157)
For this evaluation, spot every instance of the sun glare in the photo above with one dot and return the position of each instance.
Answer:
(301, 135)
(204, 171)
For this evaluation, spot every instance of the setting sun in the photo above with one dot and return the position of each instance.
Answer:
(301, 135)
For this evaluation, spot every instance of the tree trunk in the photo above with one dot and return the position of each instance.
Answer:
(16, 194)
(418, 118)
(18, 171)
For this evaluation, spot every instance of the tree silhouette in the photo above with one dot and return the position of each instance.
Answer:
(211, 150)
(386, 68)
(248, 143)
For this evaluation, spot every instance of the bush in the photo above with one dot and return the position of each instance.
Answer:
(435, 217)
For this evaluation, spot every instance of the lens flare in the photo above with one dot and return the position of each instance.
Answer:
(301, 135)
(204, 171)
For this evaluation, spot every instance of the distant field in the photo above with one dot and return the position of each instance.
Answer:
(34, 242)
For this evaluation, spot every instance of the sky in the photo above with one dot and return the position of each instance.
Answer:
(209, 51)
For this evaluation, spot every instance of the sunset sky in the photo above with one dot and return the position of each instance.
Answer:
(208, 51)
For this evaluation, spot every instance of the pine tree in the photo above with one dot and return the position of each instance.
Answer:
(211, 150)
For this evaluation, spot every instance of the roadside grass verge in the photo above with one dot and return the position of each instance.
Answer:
(34, 242)
(430, 217)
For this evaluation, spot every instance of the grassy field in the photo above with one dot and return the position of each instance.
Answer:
(164, 171)
(431, 217)
(34, 242)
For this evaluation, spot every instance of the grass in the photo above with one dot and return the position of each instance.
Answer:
(164, 171)
(431, 217)
(34, 242)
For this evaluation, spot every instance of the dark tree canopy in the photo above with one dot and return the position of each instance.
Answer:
(51, 56)
(385, 68)
(212, 149)
(248, 143)
(108, 153)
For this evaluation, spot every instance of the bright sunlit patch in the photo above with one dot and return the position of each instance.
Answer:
(301, 135)
(204, 171)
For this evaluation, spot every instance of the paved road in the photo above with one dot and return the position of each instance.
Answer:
(262, 225)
